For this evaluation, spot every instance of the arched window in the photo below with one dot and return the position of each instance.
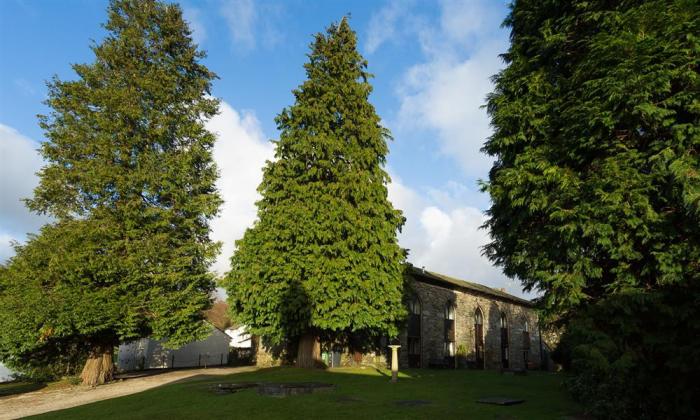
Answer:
(479, 338)
(478, 317)
(414, 306)
(449, 350)
(449, 311)
(526, 343)
(414, 332)
(504, 341)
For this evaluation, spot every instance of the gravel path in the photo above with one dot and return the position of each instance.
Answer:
(37, 402)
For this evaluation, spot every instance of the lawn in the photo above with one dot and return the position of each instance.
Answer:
(360, 393)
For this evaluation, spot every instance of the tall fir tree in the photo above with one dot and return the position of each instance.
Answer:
(596, 190)
(129, 182)
(323, 258)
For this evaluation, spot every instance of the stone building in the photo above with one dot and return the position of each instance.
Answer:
(451, 323)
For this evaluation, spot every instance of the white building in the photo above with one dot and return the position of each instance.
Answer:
(239, 337)
(150, 354)
(5, 374)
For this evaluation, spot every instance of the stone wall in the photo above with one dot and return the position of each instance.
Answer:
(268, 355)
(433, 302)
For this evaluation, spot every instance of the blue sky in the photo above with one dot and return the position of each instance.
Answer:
(431, 59)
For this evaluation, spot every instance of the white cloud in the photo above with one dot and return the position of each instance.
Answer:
(240, 153)
(461, 20)
(383, 24)
(445, 236)
(241, 17)
(193, 18)
(446, 92)
(252, 23)
(19, 162)
(6, 250)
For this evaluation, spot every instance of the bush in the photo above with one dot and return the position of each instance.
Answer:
(241, 357)
(634, 355)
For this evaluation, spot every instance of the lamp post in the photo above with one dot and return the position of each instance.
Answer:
(394, 362)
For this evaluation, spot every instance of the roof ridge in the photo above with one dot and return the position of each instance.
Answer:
(478, 287)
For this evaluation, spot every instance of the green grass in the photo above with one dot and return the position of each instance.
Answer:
(359, 393)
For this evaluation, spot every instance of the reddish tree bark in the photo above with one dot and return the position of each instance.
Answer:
(309, 352)
(98, 368)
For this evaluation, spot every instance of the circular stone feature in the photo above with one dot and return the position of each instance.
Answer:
(412, 403)
(222, 389)
(293, 388)
(275, 389)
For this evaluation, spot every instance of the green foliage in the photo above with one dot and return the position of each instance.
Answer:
(596, 184)
(129, 182)
(632, 355)
(323, 256)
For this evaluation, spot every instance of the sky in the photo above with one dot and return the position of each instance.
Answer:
(431, 60)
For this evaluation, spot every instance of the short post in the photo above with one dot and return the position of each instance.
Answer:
(394, 362)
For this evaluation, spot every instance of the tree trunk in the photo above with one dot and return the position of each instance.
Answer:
(309, 352)
(99, 368)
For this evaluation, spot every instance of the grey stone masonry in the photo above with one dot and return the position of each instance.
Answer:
(435, 342)
(522, 350)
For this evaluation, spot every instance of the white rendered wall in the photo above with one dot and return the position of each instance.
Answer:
(239, 337)
(150, 354)
(5, 374)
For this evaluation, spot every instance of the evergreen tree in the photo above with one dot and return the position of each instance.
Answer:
(596, 187)
(129, 182)
(323, 259)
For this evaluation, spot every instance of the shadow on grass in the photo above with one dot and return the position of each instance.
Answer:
(15, 388)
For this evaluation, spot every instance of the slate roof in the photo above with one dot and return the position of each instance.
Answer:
(475, 288)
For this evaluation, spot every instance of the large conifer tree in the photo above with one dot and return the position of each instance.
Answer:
(596, 191)
(323, 259)
(130, 185)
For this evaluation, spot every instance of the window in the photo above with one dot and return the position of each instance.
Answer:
(504, 320)
(413, 333)
(504, 341)
(413, 346)
(479, 338)
(449, 311)
(526, 343)
(449, 348)
(414, 307)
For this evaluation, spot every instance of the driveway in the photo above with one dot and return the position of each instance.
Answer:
(37, 402)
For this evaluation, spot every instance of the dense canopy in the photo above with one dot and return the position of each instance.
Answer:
(596, 192)
(129, 183)
(323, 257)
